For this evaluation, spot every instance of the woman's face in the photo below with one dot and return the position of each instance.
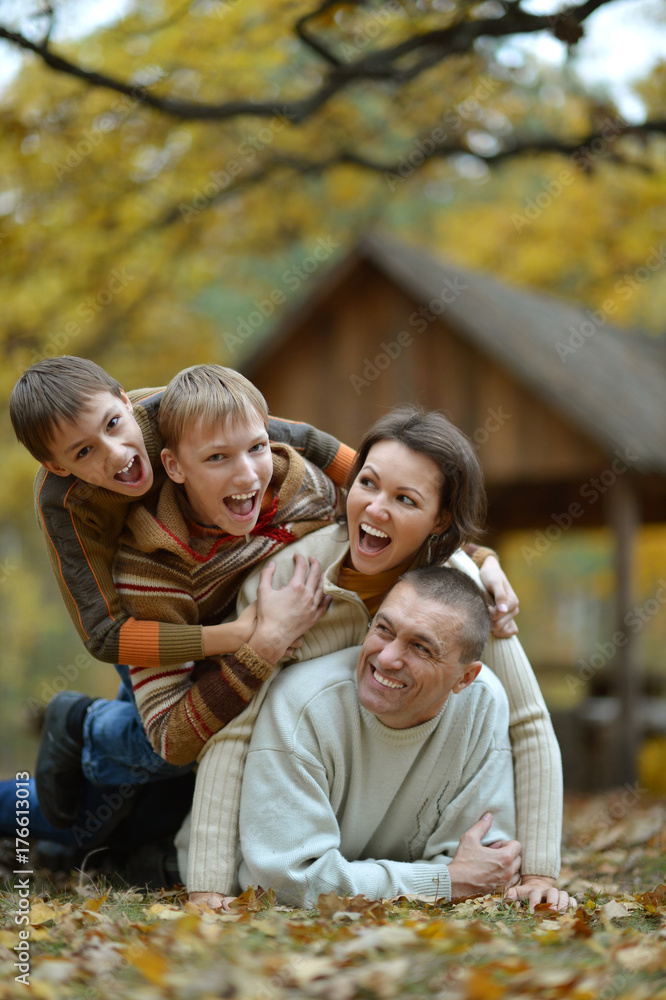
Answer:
(392, 507)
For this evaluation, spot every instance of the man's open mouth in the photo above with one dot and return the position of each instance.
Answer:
(385, 681)
(241, 504)
(132, 474)
(372, 540)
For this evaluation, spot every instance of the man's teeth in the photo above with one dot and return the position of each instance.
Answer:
(127, 467)
(385, 681)
(243, 496)
(373, 531)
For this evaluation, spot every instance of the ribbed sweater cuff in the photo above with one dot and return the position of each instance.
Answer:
(432, 881)
(260, 668)
(341, 465)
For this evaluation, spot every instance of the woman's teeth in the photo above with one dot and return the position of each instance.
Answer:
(373, 531)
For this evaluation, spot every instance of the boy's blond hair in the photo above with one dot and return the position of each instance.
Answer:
(208, 394)
(51, 392)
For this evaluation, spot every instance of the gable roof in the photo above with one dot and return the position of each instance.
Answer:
(608, 383)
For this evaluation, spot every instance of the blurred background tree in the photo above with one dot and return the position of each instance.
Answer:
(166, 164)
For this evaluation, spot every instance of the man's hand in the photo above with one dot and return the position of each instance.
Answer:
(505, 606)
(540, 889)
(212, 899)
(476, 869)
(284, 615)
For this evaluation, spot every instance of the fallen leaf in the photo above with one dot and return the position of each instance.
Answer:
(152, 964)
(642, 957)
(166, 912)
(41, 912)
(612, 910)
(655, 900)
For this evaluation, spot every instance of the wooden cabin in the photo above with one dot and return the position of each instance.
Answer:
(564, 408)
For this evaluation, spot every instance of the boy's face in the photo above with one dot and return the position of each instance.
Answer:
(103, 447)
(226, 469)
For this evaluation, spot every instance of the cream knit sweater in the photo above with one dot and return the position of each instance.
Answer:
(335, 801)
(213, 840)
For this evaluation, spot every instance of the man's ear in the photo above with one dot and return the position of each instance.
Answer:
(172, 465)
(471, 673)
(56, 469)
(126, 400)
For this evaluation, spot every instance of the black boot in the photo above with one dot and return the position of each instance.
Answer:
(58, 776)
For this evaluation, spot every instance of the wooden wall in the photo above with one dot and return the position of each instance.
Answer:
(333, 370)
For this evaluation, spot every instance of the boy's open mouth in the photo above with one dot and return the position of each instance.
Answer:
(372, 540)
(132, 474)
(241, 504)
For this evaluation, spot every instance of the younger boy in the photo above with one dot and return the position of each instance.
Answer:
(100, 451)
(230, 502)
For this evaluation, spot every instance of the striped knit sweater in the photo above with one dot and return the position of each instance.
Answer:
(170, 569)
(82, 525)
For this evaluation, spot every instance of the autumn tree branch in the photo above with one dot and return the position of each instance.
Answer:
(390, 64)
(584, 153)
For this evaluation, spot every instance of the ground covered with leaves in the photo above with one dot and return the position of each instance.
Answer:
(93, 942)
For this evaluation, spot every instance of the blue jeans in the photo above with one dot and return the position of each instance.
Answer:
(123, 817)
(116, 750)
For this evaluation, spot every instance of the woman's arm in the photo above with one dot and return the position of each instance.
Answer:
(505, 602)
(536, 759)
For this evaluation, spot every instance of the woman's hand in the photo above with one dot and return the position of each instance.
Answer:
(212, 899)
(505, 601)
(284, 615)
(540, 889)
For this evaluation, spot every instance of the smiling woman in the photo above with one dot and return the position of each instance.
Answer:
(392, 507)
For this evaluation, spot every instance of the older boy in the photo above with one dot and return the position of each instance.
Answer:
(100, 451)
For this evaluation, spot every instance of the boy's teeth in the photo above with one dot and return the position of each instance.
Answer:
(127, 467)
(374, 531)
(243, 496)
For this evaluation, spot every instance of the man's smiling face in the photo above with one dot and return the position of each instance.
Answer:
(410, 660)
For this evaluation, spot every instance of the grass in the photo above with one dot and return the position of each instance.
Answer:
(90, 941)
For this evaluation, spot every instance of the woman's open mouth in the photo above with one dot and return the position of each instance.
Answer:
(371, 540)
(242, 505)
(133, 473)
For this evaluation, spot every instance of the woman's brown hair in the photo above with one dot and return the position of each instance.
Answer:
(462, 492)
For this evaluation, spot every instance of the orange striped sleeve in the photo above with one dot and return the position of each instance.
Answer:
(341, 465)
(139, 643)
